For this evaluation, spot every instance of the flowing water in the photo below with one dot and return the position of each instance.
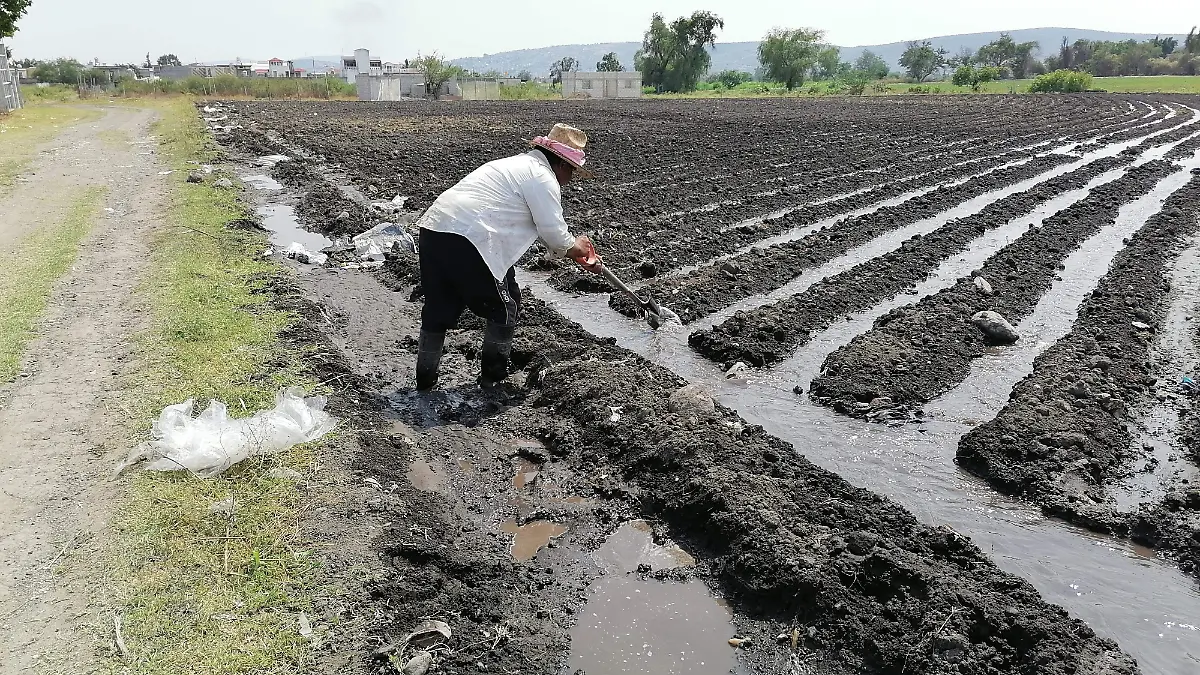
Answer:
(1122, 591)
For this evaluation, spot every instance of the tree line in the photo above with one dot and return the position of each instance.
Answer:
(1005, 58)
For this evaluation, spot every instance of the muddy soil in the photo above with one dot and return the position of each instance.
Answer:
(769, 334)
(793, 549)
(1066, 435)
(920, 351)
(491, 503)
(714, 287)
(671, 171)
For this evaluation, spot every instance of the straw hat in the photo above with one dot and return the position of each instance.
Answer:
(568, 143)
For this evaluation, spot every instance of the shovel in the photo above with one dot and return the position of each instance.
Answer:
(656, 314)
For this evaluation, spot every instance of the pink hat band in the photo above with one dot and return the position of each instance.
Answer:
(563, 150)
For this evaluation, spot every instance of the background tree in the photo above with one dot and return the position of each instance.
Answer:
(1167, 45)
(872, 64)
(921, 59)
(609, 64)
(788, 55)
(567, 64)
(59, 71)
(970, 76)
(169, 60)
(829, 62)
(525, 76)
(674, 57)
(730, 78)
(10, 11)
(148, 63)
(1191, 44)
(437, 71)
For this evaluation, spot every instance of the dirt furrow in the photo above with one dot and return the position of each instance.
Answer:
(768, 334)
(1065, 436)
(714, 287)
(919, 351)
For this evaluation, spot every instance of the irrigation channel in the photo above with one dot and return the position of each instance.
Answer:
(631, 624)
(1122, 590)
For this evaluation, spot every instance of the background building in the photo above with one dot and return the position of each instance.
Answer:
(602, 85)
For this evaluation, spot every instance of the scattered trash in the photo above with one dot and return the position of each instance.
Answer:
(399, 201)
(1189, 386)
(305, 627)
(344, 215)
(284, 473)
(119, 636)
(382, 237)
(268, 252)
(418, 665)
(272, 160)
(166, 173)
(996, 328)
(616, 413)
(736, 370)
(212, 442)
(226, 507)
(300, 254)
(1140, 326)
(206, 168)
(983, 286)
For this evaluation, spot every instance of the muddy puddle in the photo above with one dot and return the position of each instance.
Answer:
(1120, 590)
(262, 181)
(635, 624)
(531, 537)
(1174, 355)
(281, 221)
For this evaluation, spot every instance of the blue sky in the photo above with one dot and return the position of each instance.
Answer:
(124, 30)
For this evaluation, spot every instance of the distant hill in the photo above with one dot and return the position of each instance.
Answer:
(744, 55)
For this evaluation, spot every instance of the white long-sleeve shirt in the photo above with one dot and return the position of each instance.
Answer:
(503, 207)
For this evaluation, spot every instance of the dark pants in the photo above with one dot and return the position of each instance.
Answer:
(454, 276)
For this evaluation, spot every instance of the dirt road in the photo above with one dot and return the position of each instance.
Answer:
(60, 422)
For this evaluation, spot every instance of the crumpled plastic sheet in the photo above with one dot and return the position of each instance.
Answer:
(375, 241)
(212, 442)
(297, 251)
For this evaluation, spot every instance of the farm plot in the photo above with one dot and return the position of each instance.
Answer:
(766, 224)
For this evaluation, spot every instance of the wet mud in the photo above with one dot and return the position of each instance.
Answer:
(920, 351)
(763, 269)
(769, 334)
(509, 513)
(1067, 435)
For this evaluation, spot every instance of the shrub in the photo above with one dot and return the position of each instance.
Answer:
(1061, 81)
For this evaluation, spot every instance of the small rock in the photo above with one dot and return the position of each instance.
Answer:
(224, 183)
(692, 399)
(1141, 326)
(195, 177)
(418, 665)
(797, 390)
(737, 643)
(736, 370)
(996, 328)
(983, 286)
(305, 627)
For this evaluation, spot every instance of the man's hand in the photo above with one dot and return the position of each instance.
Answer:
(584, 253)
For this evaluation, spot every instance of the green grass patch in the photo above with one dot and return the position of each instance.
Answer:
(51, 93)
(29, 273)
(22, 131)
(205, 592)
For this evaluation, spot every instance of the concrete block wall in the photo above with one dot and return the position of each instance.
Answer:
(602, 85)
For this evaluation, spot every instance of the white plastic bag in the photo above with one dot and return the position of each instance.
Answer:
(211, 443)
(296, 251)
(379, 239)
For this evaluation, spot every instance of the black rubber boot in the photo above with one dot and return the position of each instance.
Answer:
(429, 358)
(497, 348)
